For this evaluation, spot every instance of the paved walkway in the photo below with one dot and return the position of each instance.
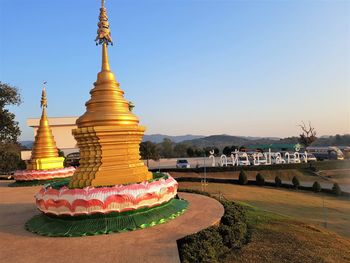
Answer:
(155, 244)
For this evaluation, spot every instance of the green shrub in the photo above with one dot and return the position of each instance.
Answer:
(10, 161)
(233, 213)
(316, 187)
(278, 181)
(215, 243)
(233, 236)
(260, 180)
(205, 246)
(296, 182)
(242, 179)
(233, 228)
(336, 189)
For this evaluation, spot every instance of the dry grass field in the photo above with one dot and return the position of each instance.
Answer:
(288, 225)
(278, 239)
(340, 176)
(305, 206)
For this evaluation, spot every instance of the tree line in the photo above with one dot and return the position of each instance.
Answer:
(168, 149)
(10, 149)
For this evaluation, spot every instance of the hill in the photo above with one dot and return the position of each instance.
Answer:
(27, 144)
(220, 141)
(157, 138)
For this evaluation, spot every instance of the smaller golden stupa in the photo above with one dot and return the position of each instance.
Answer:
(44, 152)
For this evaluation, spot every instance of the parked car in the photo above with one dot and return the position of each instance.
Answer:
(182, 163)
(276, 158)
(72, 159)
(243, 160)
(326, 153)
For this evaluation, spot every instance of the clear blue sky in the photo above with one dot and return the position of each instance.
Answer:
(252, 68)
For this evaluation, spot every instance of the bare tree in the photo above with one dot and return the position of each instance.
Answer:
(308, 134)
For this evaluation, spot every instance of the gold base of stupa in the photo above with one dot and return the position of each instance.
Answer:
(46, 163)
(120, 162)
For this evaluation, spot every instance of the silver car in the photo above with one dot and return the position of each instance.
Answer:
(182, 163)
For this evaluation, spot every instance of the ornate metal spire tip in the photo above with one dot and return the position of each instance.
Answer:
(103, 31)
(43, 101)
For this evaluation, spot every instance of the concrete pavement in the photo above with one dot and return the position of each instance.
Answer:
(155, 244)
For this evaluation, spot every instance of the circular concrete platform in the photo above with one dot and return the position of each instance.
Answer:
(155, 244)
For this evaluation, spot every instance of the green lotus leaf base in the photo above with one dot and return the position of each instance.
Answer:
(39, 182)
(98, 224)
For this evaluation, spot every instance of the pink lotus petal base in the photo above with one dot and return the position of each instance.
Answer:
(118, 198)
(30, 175)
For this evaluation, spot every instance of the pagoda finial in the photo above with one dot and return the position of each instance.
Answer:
(43, 101)
(103, 31)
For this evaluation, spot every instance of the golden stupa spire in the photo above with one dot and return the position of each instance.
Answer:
(107, 105)
(44, 152)
(108, 134)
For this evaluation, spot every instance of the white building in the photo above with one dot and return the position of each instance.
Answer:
(62, 131)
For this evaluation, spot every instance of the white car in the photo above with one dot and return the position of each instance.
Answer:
(276, 158)
(182, 163)
(243, 161)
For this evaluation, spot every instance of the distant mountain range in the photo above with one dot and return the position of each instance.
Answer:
(157, 138)
(220, 141)
(27, 144)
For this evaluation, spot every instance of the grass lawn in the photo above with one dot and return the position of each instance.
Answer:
(280, 224)
(285, 175)
(276, 238)
(304, 206)
(340, 176)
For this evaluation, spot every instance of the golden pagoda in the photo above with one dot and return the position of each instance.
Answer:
(108, 134)
(44, 152)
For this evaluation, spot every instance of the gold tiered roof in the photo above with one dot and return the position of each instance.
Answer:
(44, 152)
(107, 105)
(108, 134)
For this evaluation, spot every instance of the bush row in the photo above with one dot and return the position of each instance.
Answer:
(214, 243)
(260, 180)
(313, 166)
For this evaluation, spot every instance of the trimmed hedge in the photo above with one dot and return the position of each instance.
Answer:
(315, 166)
(316, 187)
(278, 181)
(260, 180)
(243, 178)
(204, 246)
(214, 243)
(272, 184)
(296, 182)
(336, 189)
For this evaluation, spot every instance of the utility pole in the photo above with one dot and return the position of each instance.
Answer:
(325, 215)
(204, 178)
